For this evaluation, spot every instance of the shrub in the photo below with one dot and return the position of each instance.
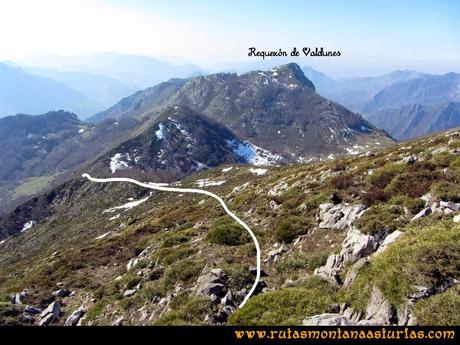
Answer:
(443, 159)
(439, 310)
(184, 271)
(341, 181)
(381, 177)
(374, 196)
(178, 254)
(289, 229)
(130, 284)
(312, 202)
(292, 265)
(287, 306)
(186, 311)
(227, 233)
(413, 184)
(414, 205)
(446, 191)
(339, 166)
(381, 217)
(179, 238)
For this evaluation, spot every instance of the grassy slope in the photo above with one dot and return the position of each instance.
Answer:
(176, 227)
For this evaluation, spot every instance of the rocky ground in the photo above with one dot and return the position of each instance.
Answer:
(370, 239)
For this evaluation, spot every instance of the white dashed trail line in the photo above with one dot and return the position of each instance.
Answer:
(197, 191)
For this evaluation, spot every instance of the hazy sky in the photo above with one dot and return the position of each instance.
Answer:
(373, 36)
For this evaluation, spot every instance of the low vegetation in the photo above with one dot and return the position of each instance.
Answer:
(288, 306)
(425, 256)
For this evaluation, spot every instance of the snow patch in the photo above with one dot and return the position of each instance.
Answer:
(258, 171)
(103, 236)
(115, 217)
(159, 133)
(28, 225)
(253, 154)
(207, 182)
(179, 127)
(351, 151)
(227, 169)
(128, 205)
(199, 165)
(117, 162)
(81, 130)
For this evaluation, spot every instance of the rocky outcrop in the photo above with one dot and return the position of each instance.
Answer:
(355, 246)
(341, 216)
(379, 310)
(212, 283)
(353, 271)
(436, 207)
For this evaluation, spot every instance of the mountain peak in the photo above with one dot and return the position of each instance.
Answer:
(289, 72)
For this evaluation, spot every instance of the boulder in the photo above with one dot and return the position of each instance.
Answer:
(428, 198)
(46, 320)
(379, 310)
(27, 318)
(134, 261)
(327, 319)
(393, 237)
(450, 205)
(215, 299)
(356, 245)
(409, 160)
(340, 216)
(212, 283)
(423, 213)
(32, 310)
(54, 308)
(118, 322)
(20, 297)
(456, 218)
(228, 299)
(253, 271)
(129, 293)
(73, 319)
(274, 255)
(261, 287)
(62, 293)
(50, 314)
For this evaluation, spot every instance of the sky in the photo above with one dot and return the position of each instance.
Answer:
(374, 37)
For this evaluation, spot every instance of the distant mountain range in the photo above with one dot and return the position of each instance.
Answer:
(84, 85)
(22, 92)
(93, 85)
(138, 71)
(183, 126)
(407, 104)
